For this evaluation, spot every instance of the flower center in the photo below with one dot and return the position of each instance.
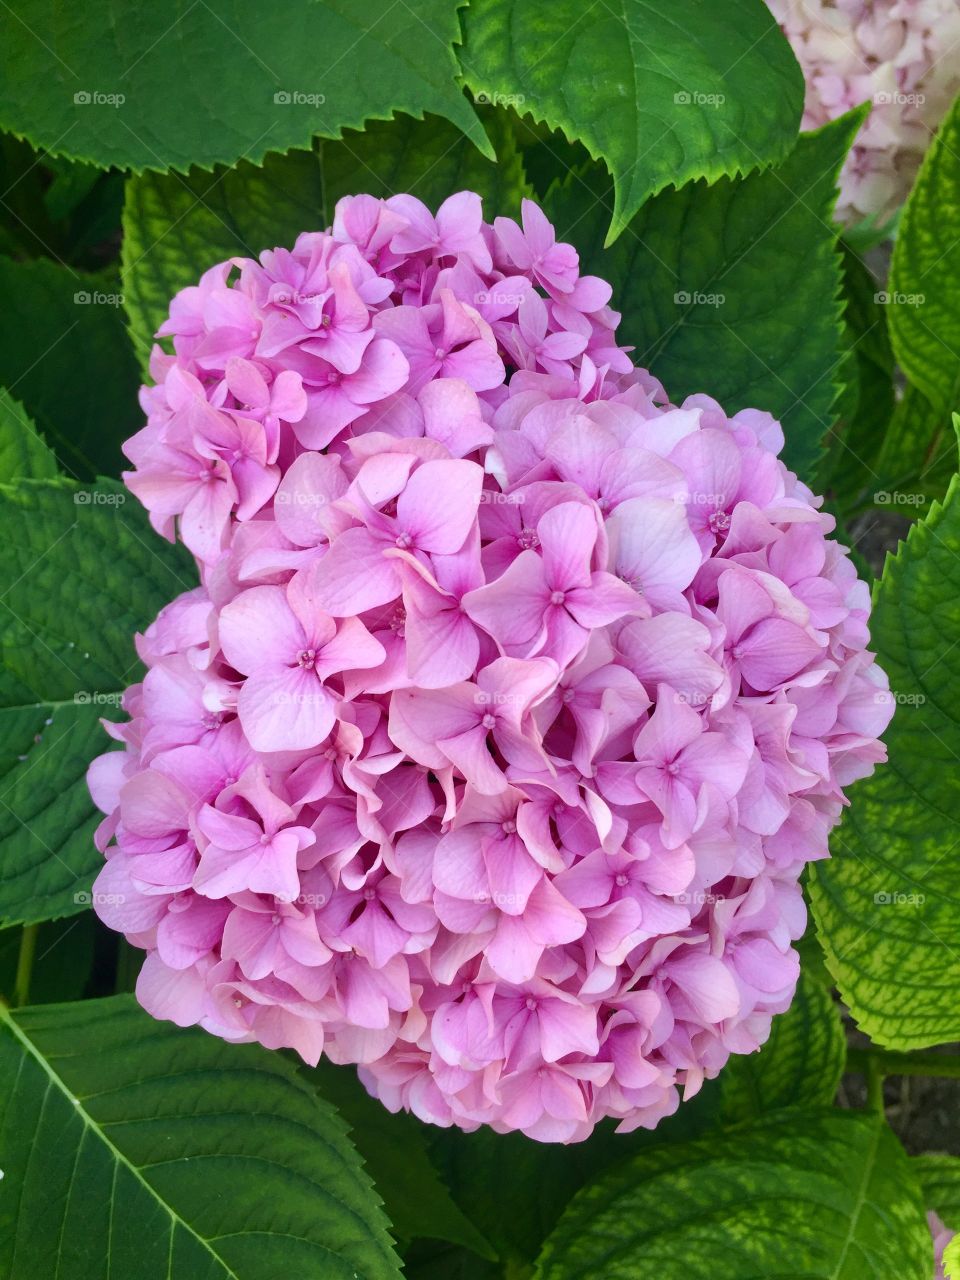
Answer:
(404, 540)
(489, 721)
(307, 658)
(557, 597)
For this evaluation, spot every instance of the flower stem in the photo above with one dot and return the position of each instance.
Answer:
(887, 1062)
(28, 947)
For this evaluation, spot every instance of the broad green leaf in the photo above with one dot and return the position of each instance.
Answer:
(65, 354)
(394, 1149)
(865, 375)
(23, 453)
(951, 1259)
(918, 457)
(732, 289)
(137, 1149)
(82, 571)
(823, 1195)
(886, 902)
(176, 227)
(800, 1064)
(925, 303)
(939, 1177)
(663, 94)
(212, 82)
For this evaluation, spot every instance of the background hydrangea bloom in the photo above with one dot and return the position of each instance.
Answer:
(898, 55)
(514, 698)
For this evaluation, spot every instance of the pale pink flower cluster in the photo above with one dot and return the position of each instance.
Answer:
(514, 698)
(901, 56)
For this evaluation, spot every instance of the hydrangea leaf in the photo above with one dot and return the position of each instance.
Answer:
(918, 455)
(83, 571)
(62, 963)
(66, 330)
(939, 1177)
(663, 94)
(885, 903)
(827, 1195)
(176, 227)
(394, 1149)
(213, 83)
(717, 283)
(132, 1149)
(23, 452)
(924, 304)
(800, 1064)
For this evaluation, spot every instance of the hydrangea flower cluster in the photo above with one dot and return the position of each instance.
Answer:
(898, 55)
(514, 698)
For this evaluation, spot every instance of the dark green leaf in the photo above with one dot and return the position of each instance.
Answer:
(662, 94)
(83, 571)
(134, 1149)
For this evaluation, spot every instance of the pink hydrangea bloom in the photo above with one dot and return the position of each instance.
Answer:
(898, 55)
(513, 700)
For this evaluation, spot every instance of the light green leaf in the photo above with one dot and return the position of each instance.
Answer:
(717, 284)
(82, 571)
(65, 354)
(924, 303)
(137, 1149)
(395, 1152)
(175, 228)
(800, 1064)
(663, 94)
(23, 453)
(886, 902)
(823, 1195)
(212, 82)
(918, 457)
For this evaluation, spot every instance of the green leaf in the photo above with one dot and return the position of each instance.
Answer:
(212, 83)
(918, 457)
(84, 571)
(64, 352)
(925, 305)
(133, 1148)
(823, 1195)
(800, 1064)
(176, 228)
(23, 454)
(394, 1149)
(886, 902)
(939, 1177)
(716, 283)
(663, 94)
(866, 401)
